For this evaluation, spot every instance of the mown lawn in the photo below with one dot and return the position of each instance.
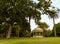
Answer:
(51, 40)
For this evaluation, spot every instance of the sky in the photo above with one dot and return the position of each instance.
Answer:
(44, 18)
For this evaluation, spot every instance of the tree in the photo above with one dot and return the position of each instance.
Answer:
(37, 9)
(57, 29)
(44, 5)
(44, 26)
(10, 13)
(53, 14)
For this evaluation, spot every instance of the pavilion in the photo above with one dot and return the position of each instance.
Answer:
(37, 32)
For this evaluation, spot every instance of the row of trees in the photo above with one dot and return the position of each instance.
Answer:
(13, 14)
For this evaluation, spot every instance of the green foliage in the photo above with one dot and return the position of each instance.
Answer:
(57, 26)
(42, 25)
(48, 33)
(14, 12)
(52, 14)
(44, 5)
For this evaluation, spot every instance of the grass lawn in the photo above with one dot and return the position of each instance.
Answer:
(51, 40)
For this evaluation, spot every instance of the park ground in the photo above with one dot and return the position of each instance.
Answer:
(49, 40)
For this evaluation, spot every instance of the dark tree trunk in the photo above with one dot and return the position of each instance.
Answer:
(29, 27)
(29, 19)
(54, 28)
(9, 31)
(18, 31)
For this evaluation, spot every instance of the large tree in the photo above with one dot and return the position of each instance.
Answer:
(53, 14)
(10, 13)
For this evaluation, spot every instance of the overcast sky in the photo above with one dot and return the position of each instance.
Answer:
(45, 18)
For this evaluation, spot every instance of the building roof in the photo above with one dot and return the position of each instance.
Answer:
(38, 30)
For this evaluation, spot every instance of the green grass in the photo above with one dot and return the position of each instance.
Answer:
(51, 40)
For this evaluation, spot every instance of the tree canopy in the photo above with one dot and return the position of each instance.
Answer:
(14, 13)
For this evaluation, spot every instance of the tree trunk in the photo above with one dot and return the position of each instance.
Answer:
(29, 27)
(29, 19)
(18, 31)
(9, 31)
(54, 28)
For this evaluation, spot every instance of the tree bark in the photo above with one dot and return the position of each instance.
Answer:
(9, 32)
(29, 27)
(54, 28)
(18, 31)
